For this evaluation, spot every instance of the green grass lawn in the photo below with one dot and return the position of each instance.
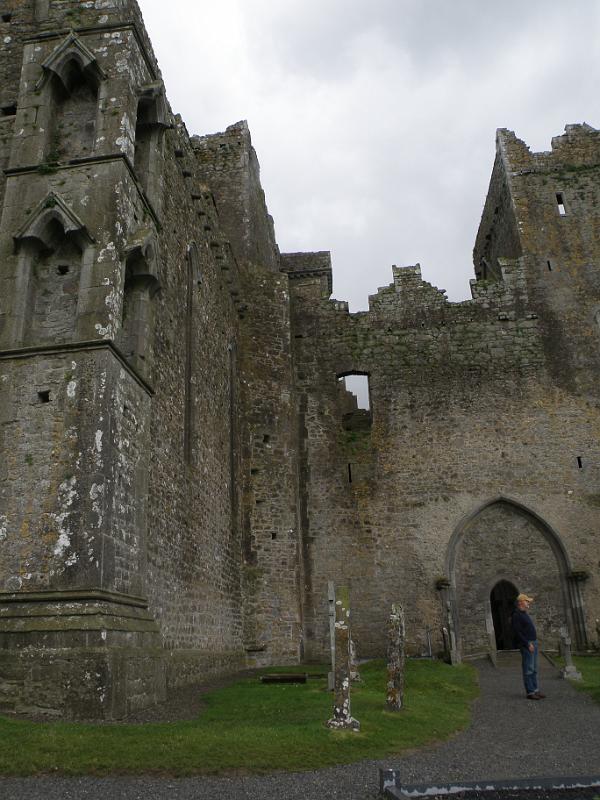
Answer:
(589, 666)
(252, 727)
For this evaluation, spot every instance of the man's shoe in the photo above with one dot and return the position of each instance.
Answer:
(540, 695)
(533, 697)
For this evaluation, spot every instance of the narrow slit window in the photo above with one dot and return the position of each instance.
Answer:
(579, 462)
(349, 473)
(560, 202)
(549, 264)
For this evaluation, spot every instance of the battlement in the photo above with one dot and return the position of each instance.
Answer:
(578, 147)
(309, 266)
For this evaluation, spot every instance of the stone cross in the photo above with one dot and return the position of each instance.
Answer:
(395, 659)
(342, 718)
(569, 670)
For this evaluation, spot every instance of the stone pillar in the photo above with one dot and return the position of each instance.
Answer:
(491, 634)
(395, 659)
(354, 673)
(446, 640)
(569, 670)
(342, 718)
(576, 579)
(331, 609)
(454, 656)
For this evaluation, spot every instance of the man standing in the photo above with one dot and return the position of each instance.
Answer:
(526, 637)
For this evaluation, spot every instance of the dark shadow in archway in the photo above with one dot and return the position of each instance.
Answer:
(502, 601)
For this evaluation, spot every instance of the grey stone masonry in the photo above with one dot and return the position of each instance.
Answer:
(182, 470)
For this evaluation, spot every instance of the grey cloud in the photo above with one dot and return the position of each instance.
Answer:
(375, 123)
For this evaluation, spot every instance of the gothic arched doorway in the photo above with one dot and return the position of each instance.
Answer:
(502, 601)
(504, 538)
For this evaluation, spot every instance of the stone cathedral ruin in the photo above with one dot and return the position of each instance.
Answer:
(182, 470)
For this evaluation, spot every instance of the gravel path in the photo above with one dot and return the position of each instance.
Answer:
(510, 737)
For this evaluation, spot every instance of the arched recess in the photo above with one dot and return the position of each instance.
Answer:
(151, 123)
(503, 540)
(70, 86)
(140, 286)
(55, 258)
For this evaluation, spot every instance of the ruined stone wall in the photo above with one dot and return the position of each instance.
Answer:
(273, 568)
(562, 249)
(498, 236)
(272, 561)
(182, 472)
(463, 411)
(229, 165)
(194, 539)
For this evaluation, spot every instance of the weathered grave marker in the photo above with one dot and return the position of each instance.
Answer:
(454, 656)
(569, 670)
(342, 718)
(396, 659)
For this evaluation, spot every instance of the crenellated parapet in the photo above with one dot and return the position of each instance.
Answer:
(578, 147)
(309, 273)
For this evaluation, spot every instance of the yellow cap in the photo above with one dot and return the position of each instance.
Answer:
(524, 597)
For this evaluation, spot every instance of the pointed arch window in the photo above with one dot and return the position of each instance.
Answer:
(140, 286)
(151, 122)
(71, 80)
(53, 262)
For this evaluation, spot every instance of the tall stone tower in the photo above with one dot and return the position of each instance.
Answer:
(149, 491)
(81, 141)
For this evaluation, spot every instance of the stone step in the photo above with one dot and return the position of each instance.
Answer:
(284, 677)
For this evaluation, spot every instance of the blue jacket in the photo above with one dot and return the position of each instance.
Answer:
(523, 628)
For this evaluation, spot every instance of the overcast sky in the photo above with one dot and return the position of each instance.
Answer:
(374, 122)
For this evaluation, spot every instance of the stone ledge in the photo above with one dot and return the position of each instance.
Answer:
(74, 347)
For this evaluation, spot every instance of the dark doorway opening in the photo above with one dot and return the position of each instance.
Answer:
(502, 600)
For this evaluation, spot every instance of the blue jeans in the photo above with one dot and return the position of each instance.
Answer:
(529, 662)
